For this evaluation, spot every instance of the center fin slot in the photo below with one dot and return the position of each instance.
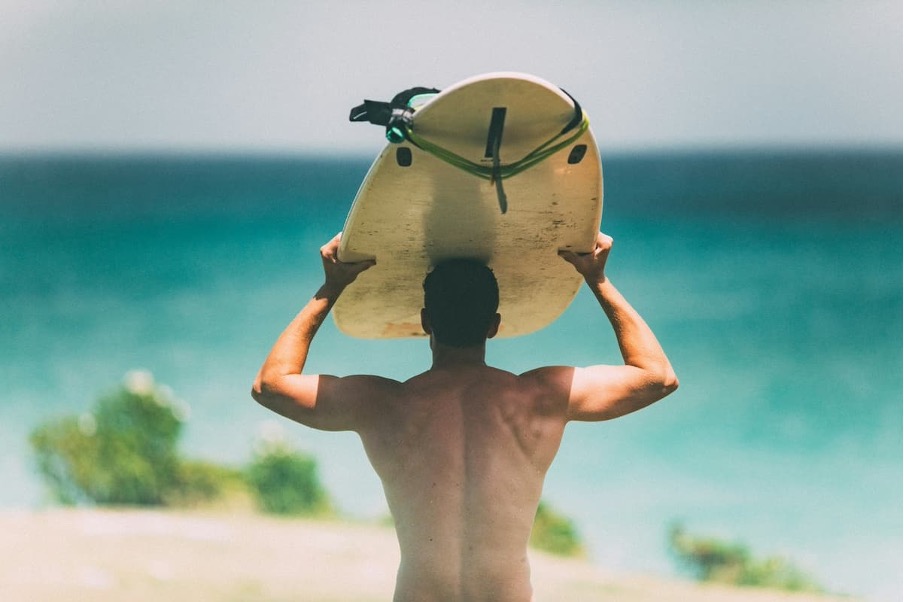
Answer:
(494, 135)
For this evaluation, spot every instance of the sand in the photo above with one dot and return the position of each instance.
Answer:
(68, 555)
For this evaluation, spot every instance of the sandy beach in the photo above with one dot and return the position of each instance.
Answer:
(64, 555)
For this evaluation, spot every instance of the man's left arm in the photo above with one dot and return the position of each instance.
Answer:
(319, 401)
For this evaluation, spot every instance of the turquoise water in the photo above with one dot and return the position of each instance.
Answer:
(772, 279)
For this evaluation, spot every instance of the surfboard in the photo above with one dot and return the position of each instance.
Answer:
(467, 180)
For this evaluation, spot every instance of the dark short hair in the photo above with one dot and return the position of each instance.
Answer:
(461, 297)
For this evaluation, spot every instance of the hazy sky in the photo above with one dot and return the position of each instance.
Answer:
(281, 75)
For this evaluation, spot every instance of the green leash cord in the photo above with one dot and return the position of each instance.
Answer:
(497, 172)
(492, 173)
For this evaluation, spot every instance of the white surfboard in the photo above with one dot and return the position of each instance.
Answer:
(415, 209)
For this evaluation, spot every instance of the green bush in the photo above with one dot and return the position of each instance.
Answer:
(66, 458)
(123, 452)
(709, 559)
(555, 533)
(285, 481)
(198, 482)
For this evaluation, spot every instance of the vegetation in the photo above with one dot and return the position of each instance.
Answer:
(200, 482)
(709, 559)
(555, 533)
(286, 482)
(123, 452)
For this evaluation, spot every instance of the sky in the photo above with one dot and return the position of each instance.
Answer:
(282, 76)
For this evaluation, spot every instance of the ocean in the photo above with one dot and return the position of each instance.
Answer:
(773, 279)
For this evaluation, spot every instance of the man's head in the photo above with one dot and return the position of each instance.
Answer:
(460, 301)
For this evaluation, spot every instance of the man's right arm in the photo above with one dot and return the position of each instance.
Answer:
(605, 392)
(317, 400)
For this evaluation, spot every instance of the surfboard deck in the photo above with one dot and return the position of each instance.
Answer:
(413, 209)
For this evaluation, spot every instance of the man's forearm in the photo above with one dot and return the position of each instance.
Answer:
(639, 346)
(290, 351)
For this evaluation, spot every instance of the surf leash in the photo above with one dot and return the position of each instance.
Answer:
(397, 115)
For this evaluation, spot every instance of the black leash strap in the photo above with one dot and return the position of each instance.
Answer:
(395, 115)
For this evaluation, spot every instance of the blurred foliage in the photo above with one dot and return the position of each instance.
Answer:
(555, 533)
(124, 452)
(709, 559)
(200, 482)
(286, 482)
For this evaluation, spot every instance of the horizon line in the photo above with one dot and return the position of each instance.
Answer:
(363, 154)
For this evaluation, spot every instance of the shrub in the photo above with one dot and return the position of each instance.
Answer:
(285, 481)
(709, 559)
(198, 482)
(123, 452)
(66, 457)
(555, 533)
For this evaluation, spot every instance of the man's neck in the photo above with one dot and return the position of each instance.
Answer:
(445, 356)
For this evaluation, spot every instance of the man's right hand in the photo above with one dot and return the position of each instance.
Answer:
(592, 265)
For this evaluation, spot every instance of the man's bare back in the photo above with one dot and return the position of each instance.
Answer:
(463, 449)
(462, 454)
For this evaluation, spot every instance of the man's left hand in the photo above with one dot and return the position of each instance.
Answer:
(338, 273)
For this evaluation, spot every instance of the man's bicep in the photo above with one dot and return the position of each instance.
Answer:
(605, 392)
(325, 402)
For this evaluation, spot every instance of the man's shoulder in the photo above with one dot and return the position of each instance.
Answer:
(371, 380)
(370, 386)
(549, 375)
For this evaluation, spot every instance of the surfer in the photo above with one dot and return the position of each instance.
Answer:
(463, 448)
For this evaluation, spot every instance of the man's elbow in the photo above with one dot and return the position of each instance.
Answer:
(256, 393)
(668, 382)
(661, 381)
(260, 392)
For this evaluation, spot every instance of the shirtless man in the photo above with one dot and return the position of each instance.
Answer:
(463, 449)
